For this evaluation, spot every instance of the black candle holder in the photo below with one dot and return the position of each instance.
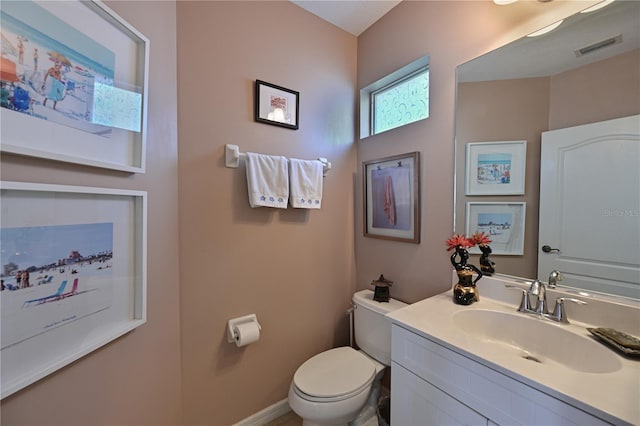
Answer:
(381, 291)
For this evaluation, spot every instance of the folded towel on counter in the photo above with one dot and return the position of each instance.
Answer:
(305, 181)
(267, 180)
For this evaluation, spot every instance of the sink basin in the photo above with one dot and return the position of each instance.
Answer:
(537, 340)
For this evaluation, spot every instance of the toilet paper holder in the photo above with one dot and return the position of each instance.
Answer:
(231, 337)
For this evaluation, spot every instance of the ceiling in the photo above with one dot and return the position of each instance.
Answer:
(555, 52)
(353, 16)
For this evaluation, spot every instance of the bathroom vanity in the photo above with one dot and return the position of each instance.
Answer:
(488, 364)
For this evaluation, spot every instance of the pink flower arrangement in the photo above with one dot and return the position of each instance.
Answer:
(481, 239)
(458, 240)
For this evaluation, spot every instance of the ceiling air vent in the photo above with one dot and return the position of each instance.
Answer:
(599, 45)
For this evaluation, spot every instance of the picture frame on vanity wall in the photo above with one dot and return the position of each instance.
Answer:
(276, 105)
(392, 198)
(502, 222)
(73, 275)
(74, 84)
(496, 168)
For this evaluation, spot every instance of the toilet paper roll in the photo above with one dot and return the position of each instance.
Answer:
(246, 333)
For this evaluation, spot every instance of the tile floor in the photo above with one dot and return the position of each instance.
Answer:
(288, 419)
(291, 419)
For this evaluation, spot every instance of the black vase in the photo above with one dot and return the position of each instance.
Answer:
(465, 291)
(487, 266)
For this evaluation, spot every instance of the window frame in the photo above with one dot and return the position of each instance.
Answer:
(396, 77)
(392, 84)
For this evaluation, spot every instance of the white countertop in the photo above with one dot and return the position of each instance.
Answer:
(613, 397)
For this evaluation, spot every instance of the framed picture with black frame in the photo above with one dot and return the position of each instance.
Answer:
(276, 105)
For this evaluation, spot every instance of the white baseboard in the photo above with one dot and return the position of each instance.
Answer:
(270, 413)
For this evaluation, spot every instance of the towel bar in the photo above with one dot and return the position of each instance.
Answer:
(233, 157)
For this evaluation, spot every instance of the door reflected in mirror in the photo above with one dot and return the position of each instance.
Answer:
(583, 72)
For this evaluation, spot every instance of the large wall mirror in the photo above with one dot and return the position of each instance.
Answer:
(581, 83)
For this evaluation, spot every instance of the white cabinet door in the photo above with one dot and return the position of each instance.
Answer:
(415, 402)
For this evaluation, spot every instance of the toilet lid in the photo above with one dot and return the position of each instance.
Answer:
(336, 372)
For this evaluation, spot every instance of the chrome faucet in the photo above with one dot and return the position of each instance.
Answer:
(539, 289)
(554, 277)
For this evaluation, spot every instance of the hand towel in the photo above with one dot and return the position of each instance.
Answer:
(267, 180)
(305, 181)
(389, 200)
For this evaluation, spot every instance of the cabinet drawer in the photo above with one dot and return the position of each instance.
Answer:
(496, 396)
(416, 402)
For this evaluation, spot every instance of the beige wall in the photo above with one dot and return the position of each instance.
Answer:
(293, 268)
(504, 110)
(600, 91)
(134, 380)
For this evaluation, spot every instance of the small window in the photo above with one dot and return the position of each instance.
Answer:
(401, 103)
(400, 98)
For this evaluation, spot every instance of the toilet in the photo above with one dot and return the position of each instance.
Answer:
(341, 386)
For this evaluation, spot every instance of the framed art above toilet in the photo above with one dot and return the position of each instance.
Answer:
(392, 198)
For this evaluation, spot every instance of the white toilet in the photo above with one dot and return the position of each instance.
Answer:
(341, 386)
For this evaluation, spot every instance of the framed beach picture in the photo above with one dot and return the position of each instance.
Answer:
(392, 198)
(73, 275)
(495, 168)
(502, 222)
(74, 84)
(276, 105)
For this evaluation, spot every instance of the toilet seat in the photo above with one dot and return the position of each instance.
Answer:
(334, 375)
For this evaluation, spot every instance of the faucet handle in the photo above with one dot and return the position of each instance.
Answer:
(559, 313)
(525, 303)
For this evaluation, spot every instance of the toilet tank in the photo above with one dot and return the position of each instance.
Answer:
(372, 328)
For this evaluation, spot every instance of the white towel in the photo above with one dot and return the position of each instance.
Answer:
(267, 180)
(305, 181)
